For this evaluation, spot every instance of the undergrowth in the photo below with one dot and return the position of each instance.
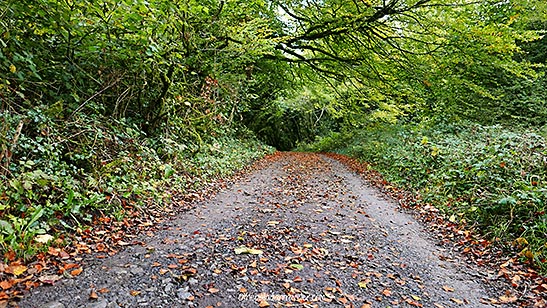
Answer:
(486, 177)
(56, 176)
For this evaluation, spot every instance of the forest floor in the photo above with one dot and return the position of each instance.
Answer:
(303, 230)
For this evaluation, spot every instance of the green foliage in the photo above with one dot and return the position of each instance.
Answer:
(57, 175)
(484, 176)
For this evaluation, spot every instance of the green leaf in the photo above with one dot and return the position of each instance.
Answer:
(297, 266)
(6, 227)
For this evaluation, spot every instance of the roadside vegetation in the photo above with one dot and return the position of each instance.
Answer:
(488, 178)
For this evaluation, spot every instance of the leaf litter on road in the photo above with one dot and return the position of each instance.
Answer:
(301, 230)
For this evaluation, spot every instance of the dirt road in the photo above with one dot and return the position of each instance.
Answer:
(303, 231)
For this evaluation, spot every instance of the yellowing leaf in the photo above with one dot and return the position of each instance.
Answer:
(134, 293)
(362, 284)
(18, 269)
(247, 250)
(12, 68)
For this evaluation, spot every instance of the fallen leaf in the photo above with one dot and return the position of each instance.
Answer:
(163, 271)
(93, 295)
(213, 290)
(263, 304)
(457, 301)
(76, 272)
(49, 279)
(134, 292)
(103, 290)
(6, 284)
(243, 290)
(448, 289)
(386, 292)
(10, 255)
(43, 238)
(297, 266)
(362, 284)
(247, 250)
(16, 269)
(506, 299)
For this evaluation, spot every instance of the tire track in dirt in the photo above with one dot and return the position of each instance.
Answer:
(301, 232)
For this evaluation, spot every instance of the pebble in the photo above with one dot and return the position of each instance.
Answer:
(101, 303)
(184, 294)
(53, 305)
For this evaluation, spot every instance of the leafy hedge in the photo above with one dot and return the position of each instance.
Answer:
(486, 177)
(57, 175)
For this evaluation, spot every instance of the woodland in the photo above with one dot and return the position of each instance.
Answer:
(114, 108)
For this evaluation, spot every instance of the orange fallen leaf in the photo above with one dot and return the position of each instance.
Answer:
(52, 251)
(172, 266)
(103, 290)
(76, 272)
(457, 301)
(6, 284)
(163, 271)
(10, 255)
(134, 292)
(213, 290)
(93, 295)
(70, 266)
(448, 289)
(263, 304)
(243, 290)
(386, 292)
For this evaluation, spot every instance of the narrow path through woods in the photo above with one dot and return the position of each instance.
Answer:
(303, 231)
